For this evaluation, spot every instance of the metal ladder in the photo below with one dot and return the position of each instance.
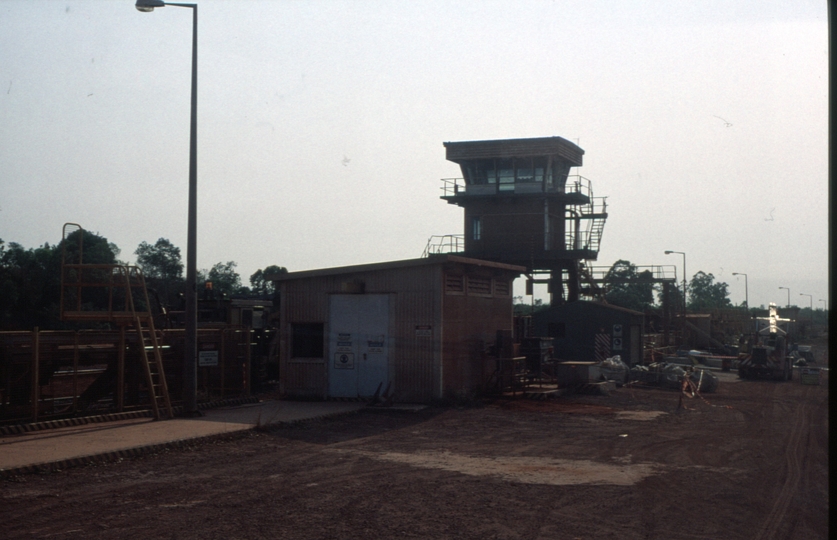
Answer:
(158, 390)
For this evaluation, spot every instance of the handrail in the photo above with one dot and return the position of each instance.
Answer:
(659, 273)
(118, 284)
(447, 243)
(576, 184)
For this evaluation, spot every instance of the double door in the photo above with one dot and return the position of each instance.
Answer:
(358, 344)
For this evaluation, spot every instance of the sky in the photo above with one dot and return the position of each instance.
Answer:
(321, 126)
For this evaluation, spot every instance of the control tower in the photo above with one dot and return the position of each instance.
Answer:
(522, 206)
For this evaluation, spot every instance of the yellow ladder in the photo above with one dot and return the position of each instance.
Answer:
(155, 376)
(149, 341)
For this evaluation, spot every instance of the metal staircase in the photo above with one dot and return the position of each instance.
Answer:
(589, 285)
(597, 214)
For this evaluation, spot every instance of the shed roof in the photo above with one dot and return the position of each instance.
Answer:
(392, 265)
(507, 148)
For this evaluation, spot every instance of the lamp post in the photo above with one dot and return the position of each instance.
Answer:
(787, 289)
(824, 305)
(190, 361)
(746, 293)
(684, 279)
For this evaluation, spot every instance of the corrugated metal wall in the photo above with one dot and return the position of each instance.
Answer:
(471, 325)
(416, 348)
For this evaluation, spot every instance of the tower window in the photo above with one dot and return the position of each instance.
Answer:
(476, 228)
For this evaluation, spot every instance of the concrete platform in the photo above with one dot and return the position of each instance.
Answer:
(62, 447)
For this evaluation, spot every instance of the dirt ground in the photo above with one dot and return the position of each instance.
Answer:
(749, 462)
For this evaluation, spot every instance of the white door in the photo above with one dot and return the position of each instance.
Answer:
(358, 344)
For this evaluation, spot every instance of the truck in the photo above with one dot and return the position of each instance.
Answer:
(768, 357)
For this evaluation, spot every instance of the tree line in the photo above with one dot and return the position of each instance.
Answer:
(30, 279)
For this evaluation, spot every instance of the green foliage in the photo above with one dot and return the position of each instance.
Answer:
(705, 294)
(225, 280)
(260, 284)
(94, 249)
(162, 267)
(31, 279)
(523, 307)
(628, 288)
(160, 261)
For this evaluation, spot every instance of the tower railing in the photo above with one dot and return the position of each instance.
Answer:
(447, 243)
(658, 273)
(576, 184)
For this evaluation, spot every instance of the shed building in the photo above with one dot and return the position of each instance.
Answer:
(419, 327)
(591, 331)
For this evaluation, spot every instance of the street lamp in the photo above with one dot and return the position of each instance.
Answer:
(684, 279)
(190, 363)
(824, 305)
(746, 293)
(787, 289)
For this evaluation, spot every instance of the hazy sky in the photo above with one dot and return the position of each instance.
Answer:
(321, 123)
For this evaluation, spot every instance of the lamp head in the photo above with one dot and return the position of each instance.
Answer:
(669, 252)
(147, 6)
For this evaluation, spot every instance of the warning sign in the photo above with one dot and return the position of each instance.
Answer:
(809, 376)
(424, 330)
(344, 342)
(376, 346)
(344, 361)
(207, 358)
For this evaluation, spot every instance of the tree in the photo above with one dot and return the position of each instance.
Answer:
(31, 279)
(260, 284)
(705, 294)
(160, 261)
(628, 288)
(225, 280)
(162, 267)
(26, 278)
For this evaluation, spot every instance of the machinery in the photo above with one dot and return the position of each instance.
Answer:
(768, 357)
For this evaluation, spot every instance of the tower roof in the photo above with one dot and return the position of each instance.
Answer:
(507, 148)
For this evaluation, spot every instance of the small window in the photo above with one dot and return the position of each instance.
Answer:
(307, 340)
(525, 170)
(505, 174)
(476, 227)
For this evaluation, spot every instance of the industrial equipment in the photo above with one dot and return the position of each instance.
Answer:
(768, 357)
